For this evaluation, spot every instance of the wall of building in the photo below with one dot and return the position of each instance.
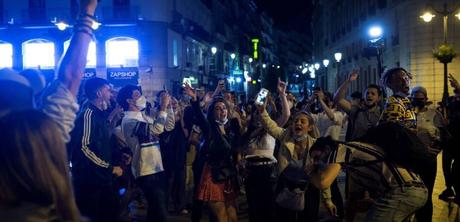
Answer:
(409, 42)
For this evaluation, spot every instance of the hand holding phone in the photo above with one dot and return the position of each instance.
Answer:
(262, 96)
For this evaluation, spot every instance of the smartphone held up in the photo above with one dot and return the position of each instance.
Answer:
(262, 96)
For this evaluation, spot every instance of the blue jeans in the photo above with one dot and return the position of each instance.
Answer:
(153, 188)
(397, 204)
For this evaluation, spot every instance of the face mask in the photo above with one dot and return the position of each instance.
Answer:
(141, 103)
(418, 103)
(104, 105)
(222, 122)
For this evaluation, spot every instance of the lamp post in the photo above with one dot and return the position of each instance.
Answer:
(337, 57)
(376, 45)
(445, 53)
(325, 64)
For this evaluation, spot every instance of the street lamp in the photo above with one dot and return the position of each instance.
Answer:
(375, 33)
(264, 65)
(250, 60)
(233, 56)
(213, 50)
(375, 46)
(337, 57)
(427, 17)
(325, 63)
(317, 65)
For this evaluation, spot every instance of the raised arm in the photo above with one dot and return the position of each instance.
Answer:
(58, 101)
(339, 97)
(329, 112)
(201, 121)
(272, 128)
(285, 111)
(72, 65)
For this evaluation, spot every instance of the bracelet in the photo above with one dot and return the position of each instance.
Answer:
(83, 25)
(85, 31)
(82, 15)
(85, 21)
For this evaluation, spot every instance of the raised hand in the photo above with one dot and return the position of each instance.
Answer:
(188, 90)
(88, 6)
(281, 87)
(453, 82)
(165, 99)
(319, 95)
(353, 75)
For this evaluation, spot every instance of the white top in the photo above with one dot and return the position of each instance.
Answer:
(264, 147)
(328, 127)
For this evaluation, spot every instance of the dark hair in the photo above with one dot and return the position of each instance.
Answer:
(388, 75)
(210, 114)
(126, 93)
(33, 164)
(93, 85)
(374, 86)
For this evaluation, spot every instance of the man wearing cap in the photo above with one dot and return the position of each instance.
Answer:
(429, 125)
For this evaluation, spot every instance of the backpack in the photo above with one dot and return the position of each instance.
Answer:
(401, 145)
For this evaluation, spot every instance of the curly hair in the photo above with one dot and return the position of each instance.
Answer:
(388, 75)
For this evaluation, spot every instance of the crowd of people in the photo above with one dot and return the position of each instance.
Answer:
(93, 158)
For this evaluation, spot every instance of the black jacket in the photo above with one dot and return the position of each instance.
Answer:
(91, 148)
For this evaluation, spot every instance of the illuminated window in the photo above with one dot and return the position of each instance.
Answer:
(91, 58)
(6, 55)
(38, 53)
(122, 51)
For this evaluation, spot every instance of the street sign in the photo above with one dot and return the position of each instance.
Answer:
(89, 73)
(123, 76)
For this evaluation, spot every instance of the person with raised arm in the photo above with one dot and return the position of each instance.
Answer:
(218, 186)
(361, 118)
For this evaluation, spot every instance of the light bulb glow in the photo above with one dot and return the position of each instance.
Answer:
(213, 50)
(338, 56)
(61, 26)
(304, 70)
(427, 17)
(233, 56)
(317, 66)
(375, 33)
(326, 62)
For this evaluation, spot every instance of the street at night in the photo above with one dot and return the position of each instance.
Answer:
(229, 110)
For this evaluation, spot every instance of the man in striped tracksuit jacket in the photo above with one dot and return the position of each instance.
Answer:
(91, 156)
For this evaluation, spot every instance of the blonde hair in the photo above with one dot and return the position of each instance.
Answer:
(314, 131)
(33, 164)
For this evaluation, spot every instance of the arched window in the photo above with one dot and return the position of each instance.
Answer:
(122, 52)
(91, 59)
(38, 53)
(6, 55)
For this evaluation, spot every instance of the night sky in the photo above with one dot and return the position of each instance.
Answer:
(288, 14)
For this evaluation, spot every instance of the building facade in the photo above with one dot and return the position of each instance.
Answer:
(157, 44)
(408, 42)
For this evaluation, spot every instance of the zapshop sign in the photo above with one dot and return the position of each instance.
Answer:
(123, 76)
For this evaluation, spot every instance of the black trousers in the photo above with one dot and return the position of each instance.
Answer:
(98, 203)
(260, 187)
(310, 212)
(428, 176)
(153, 188)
